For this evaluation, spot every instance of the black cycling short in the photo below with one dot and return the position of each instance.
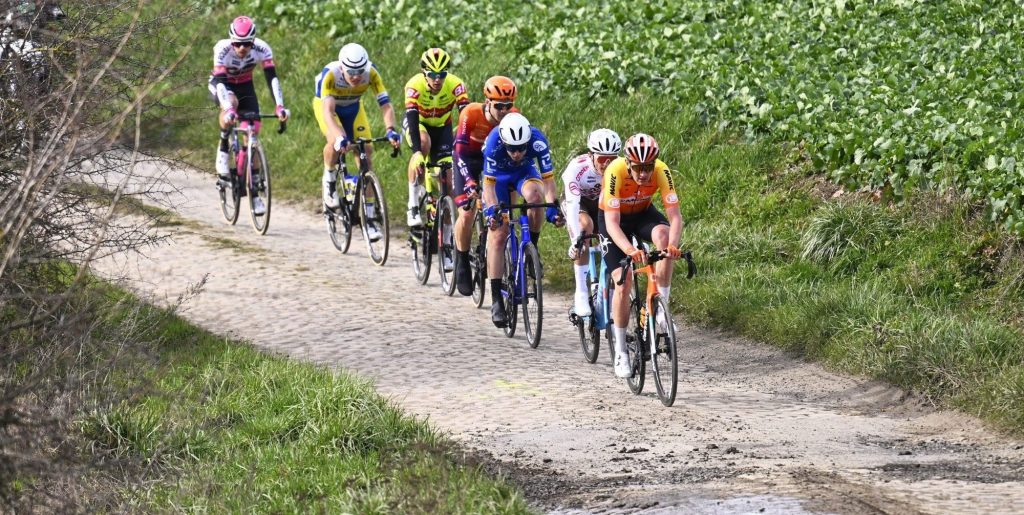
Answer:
(640, 225)
(442, 140)
(589, 207)
(474, 166)
(245, 92)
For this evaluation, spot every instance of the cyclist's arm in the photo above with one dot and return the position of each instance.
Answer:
(219, 82)
(670, 199)
(675, 224)
(412, 120)
(270, 72)
(572, 201)
(387, 112)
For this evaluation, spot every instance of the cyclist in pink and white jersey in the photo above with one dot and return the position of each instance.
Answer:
(582, 179)
(231, 87)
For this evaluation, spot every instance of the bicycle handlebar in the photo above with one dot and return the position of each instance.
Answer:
(251, 116)
(527, 205)
(658, 255)
(379, 139)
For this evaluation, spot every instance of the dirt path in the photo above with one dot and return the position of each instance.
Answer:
(753, 430)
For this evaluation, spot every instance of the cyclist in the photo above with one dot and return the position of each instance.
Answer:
(431, 97)
(341, 117)
(582, 186)
(475, 122)
(626, 210)
(231, 85)
(509, 155)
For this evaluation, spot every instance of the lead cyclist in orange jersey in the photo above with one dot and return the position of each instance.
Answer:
(625, 210)
(475, 122)
(431, 100)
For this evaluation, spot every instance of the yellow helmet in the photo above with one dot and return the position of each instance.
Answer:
(435, 60)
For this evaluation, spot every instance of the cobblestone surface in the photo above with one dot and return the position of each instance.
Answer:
(752, 428)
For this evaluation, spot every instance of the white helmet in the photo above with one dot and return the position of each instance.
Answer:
(604, 141)
(514, 129)
(354, 56)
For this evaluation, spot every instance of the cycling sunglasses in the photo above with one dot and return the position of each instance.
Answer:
(642, 167)
(517, 148)
(435, 75)
(503, 106)
(355, 71)
(241, 44)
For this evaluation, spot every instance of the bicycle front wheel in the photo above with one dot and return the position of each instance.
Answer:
(446, 215)
(374, 218)
(590, 335)
(478, 258)
(339, 225)
(664, 360)
(258, 181)
(230, 197)
(508, 297)
(636, 342)
(533, 300)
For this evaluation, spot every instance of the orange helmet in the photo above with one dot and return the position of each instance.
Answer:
(500, 89)
(641, 148)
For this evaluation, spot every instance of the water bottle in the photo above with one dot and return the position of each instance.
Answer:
(350, 187)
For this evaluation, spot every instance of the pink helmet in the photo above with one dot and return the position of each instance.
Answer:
(242, 30)
(641, 148)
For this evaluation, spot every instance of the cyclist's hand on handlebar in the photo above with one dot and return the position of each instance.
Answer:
(470, 188)
(231, 116)
(637, 255)
(416, 163)
(282, 113)
(394, 137)
(493, 217)
(554, 216)
(574, 250)
(341, 144)
(673, 252)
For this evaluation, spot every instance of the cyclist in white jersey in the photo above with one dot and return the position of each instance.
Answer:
(231, 87)
(582, 187)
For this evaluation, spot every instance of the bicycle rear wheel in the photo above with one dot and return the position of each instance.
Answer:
(664, 360)
(373, 213)
(258, 182)
(635, 342)
(446, 215)
(590, 335)
(509, 295)
(533, 301)
(478, 258)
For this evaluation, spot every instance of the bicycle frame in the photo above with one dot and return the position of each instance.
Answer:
(516, 243)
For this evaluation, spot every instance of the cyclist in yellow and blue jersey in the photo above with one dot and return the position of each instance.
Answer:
(340, 113)
(432, 99)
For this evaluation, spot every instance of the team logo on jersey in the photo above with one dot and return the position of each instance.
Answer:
(613, 203)
(460, 89)
(574, 188)
(672, 198)
(611, 183)
(360, 128)
(412, 92)
(539, 146)
(668, 176)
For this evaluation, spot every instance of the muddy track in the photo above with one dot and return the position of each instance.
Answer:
(753, 429)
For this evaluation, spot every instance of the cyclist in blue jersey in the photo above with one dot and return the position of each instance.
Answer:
(512, 152)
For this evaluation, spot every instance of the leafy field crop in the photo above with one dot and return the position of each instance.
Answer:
(892, 94)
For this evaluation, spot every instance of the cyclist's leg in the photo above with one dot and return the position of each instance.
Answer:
(496, 191)
(248, 102)
(654, 228)
(581, 265)
(620, 296)
(464, 223)
(222, 162)
(531, 187)
(360, 128)
(413, 216)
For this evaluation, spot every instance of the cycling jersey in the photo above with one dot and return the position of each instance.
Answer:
(434, 109)
(619, 192)
(233, 71)
(501, 170)
(331, 82)
(348, 110)
(469, 142)
(582, 184)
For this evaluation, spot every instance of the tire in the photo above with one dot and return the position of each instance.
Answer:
(373, 209)
(339, 225)
(446, 215)
(478, 258)
(259, 187)
(230, 197)
(420, 238)
(509, 301)
(533, 301)
(664, 359)
(590, 335)
(635, 342)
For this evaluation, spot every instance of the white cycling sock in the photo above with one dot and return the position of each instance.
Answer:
(581, 277)
(620, 339)
(412, 195)
(664, 290)
(328, 175)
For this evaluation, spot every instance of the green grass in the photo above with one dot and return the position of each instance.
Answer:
(913, 293)
(228, 428)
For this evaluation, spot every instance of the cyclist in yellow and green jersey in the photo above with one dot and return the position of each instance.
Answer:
(432, 99)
